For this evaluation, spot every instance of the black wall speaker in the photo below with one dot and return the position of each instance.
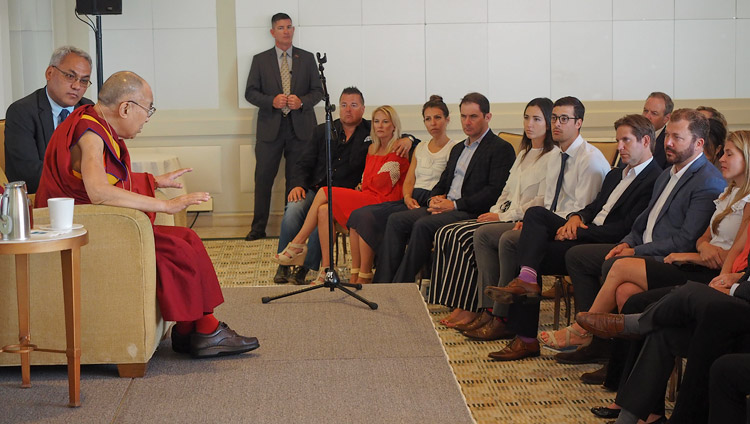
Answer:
(99, 7)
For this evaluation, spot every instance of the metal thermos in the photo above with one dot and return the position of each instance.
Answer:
(15, 212)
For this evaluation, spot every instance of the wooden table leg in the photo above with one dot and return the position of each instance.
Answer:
(71, 270)
(24, 336)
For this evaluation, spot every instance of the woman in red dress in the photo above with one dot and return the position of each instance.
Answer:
(382, 181)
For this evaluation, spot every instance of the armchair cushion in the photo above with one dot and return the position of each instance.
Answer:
(120, 319)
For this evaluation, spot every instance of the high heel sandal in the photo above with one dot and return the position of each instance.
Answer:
(353, 273)
(288, 257)
(554, 344)
(321, 278)
(367, 276)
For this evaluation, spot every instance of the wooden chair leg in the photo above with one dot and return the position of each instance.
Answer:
(558, 295)
(566, 296)
(335, 259)
(132, 370)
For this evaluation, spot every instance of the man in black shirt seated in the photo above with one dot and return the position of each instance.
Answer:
(349, 143)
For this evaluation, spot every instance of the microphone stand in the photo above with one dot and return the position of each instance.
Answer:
(332, 280)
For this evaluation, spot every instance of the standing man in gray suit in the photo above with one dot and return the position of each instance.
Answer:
(285, 85)
(31, 120)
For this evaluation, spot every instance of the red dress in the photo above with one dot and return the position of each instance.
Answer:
(187, 286)
(382, 181)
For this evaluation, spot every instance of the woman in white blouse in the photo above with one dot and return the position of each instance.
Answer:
(454, 270)
(367, 225)
(715, 252)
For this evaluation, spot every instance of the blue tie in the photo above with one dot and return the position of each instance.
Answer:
(559, 181)
(63, 114)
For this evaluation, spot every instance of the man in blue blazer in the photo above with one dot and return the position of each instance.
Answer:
(285, 85)
(30, 121)
(678, 213)
(471, 182)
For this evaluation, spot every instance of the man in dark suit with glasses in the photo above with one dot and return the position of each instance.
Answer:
(31, 120)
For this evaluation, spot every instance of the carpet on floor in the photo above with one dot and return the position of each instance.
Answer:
(324, 358)
(530, 391)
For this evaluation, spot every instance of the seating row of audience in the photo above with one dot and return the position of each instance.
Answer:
(674, 209)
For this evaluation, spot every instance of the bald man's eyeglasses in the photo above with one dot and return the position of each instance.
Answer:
(149, 111)
(70, 78)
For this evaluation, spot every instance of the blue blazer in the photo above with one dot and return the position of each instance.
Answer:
(686, 213)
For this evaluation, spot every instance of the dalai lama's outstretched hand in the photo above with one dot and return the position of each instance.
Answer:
(169, 180)
(181, 202)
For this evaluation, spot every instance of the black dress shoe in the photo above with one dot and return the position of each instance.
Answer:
(597, 351)
(595, 377)
(180, 342)
(298, 276)
(223, 341)
(604, 412)
(252, 235)
(282, 274)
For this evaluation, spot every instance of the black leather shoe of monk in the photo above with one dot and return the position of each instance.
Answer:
(223, 341)
(180, 342)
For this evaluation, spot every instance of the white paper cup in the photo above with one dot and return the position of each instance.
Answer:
(60, 213)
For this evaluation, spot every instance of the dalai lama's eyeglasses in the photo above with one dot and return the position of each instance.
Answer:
(149, 111)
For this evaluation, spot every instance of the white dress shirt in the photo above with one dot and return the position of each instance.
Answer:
(526, 184)
(584, 172)
(627, 179)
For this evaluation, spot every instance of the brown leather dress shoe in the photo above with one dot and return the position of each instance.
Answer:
(516, 288)
(516, 349)
(223, 341)
(595, 377)
(495, 329)
(597, 351)
(480, 321)
(604, 325)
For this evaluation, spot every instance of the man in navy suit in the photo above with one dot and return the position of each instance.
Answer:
(30, 121)
(678, 213)
(546, 236)
(471, 182)
(285, 85)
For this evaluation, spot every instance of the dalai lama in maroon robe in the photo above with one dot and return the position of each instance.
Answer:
(87, 160)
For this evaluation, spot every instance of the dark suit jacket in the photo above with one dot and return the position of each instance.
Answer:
(485, 176)
(264, 83)
(685, 214)
(624, 212)
(660, 156)
(28, 128)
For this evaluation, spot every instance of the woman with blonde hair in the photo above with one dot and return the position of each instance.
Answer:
(382, 181)
(716, 249)
(367, 224)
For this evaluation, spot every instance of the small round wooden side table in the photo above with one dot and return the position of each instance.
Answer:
(69, 245)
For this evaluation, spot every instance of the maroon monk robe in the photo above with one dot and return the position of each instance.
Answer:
(187, 287)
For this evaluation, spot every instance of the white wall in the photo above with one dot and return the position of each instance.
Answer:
(400, 52)
(30, 44)
(6, 95)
